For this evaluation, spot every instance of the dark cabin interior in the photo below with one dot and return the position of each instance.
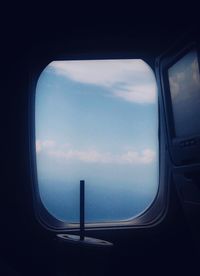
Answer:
(171, 247)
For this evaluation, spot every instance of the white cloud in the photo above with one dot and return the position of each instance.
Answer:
(67, 152)
(45, 144)
(137, 94)
(146, 156)
(38, 146)
(86, 156)
(130, 80)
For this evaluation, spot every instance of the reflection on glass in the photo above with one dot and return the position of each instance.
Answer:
(184, 83)
(97, 121)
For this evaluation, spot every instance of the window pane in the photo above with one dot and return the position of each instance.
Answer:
(184, 81)
(98, 121)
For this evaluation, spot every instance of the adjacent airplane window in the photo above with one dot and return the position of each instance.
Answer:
(184, 81)
(98, 121)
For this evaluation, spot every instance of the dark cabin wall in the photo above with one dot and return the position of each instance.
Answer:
(25, 246)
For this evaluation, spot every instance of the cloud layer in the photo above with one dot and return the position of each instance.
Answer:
(130, 80)
(53, 150)
(43, 145)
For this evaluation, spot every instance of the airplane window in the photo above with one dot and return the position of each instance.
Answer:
(184, 81)
(97, 120)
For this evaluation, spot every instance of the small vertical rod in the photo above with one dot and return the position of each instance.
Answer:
(82, 209)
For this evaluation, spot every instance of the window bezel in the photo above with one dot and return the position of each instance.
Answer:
(158, 208)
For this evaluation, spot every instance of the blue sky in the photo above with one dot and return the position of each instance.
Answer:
(98, 121)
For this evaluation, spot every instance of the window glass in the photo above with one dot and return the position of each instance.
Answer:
(184, 81)
(98, 121)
